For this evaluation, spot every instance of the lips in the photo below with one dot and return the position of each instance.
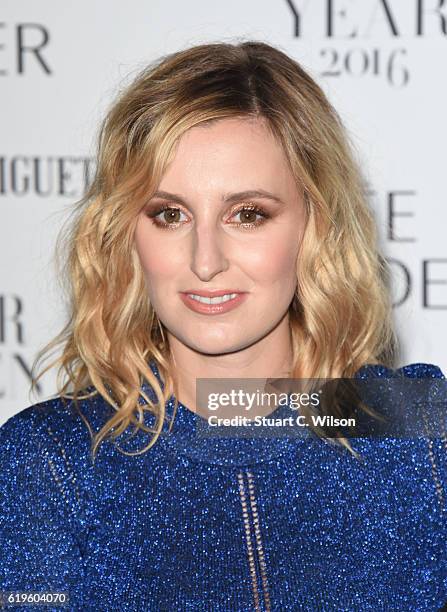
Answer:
(213, 309)
(212, 292)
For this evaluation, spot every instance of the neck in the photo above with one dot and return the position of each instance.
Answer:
(270, 357)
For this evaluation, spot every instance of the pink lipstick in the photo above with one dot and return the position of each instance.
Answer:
(213, 302)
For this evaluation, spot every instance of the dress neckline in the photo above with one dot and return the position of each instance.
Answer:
(185, 434)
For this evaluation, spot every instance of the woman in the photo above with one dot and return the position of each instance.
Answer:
(222, 171)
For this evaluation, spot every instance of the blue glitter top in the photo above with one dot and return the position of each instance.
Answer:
(221, 525)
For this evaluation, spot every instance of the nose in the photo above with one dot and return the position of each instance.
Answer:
(209, 252)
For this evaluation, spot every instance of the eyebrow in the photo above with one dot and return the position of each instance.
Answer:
(229, 199)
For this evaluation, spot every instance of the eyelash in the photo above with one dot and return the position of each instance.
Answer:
(251, 208)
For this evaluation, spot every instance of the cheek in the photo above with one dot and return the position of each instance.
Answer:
(157, 260)
(273, 261)
(280, 265)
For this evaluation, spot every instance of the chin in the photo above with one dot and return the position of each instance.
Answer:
(213, 347)
(215, 344)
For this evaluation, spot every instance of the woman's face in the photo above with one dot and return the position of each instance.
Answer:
(233, 223)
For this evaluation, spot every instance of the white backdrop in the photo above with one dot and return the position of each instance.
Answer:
(381, 62)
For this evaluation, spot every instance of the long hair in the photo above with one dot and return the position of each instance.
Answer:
(341, 315)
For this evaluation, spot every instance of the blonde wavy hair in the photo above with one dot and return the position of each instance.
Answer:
(341, 315)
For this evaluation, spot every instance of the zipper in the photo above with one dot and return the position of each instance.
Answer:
(255, 550)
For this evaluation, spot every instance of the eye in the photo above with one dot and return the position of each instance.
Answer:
(170, 217)
(248, 214)
(167, 217)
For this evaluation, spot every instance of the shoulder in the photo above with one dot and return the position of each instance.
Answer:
(45, 454)
(54, 421)
(57, 435)
(414, 396)
(412, 370)
(28, 431)
(418, 460)
(51, 439)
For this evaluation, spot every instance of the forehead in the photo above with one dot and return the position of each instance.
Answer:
(230, 130)
(235, 150)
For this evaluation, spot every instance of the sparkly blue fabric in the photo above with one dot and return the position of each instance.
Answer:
(221, 525)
